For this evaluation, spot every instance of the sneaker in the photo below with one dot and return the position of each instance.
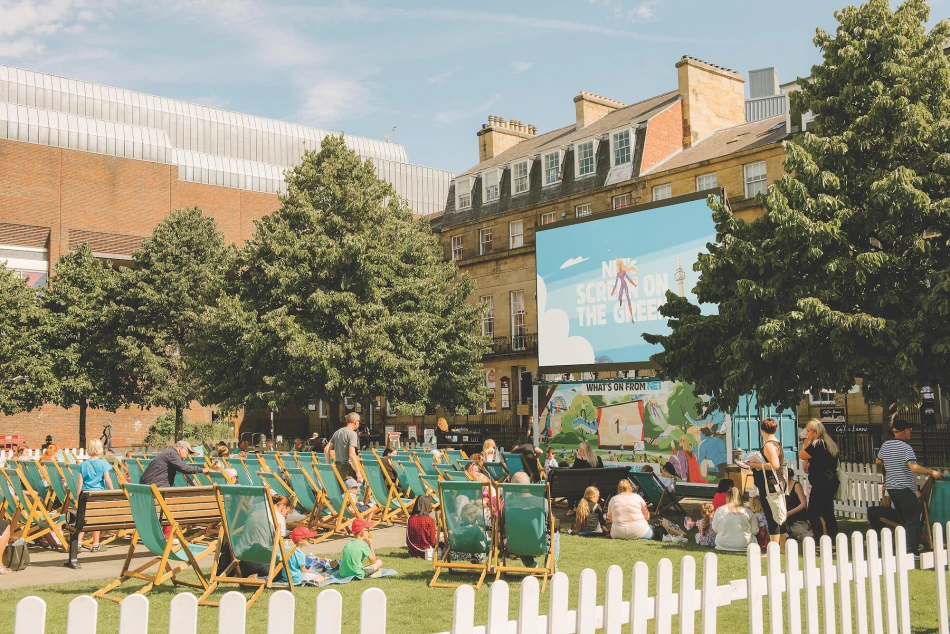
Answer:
(95, 548)
(5, 571)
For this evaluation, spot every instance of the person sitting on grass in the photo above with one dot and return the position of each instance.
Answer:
(762, 537)
(736, 526)
(722, 490)
(667, 477)
(94, 475)
(589, 520)
(628, 514)
(300, 573)
(706, 535)
(420, 529)
(358, 558)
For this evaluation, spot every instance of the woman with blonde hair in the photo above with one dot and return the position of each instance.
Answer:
(821, 453)
(587, 458)
(628, 514)
(94, 475)
(735, 524)
(490, 451)
(590, 520)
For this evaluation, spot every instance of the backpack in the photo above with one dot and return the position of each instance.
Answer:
(16, 556)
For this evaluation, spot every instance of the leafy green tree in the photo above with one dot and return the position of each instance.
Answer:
(342, 293)
(838, 278)
(176, 274)
(25, 377)
(77, 334)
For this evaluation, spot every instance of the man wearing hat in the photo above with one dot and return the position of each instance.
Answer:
(900, 464)
(168, 464)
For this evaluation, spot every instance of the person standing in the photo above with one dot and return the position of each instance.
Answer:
(529, 458)
(773, 472)
(900, 465)
(167, 465)
(344, 443)
(821, 452)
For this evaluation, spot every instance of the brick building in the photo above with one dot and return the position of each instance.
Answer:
(81, 162)
(613, 155)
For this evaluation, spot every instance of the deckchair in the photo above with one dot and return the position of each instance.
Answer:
(514, 462)
(456, 476)
(273, 462)
(343, 508)
(409, 477)
(426, 462)
(57, 482)
(431, 484)
(495, 471)
(172, 554)
(454, 456)
(37, 521)
(31, 471)
(466, 532)
(311, 501)
(217, 477)
(243, 475)
(655, 493)
(250, 532)
(10, 505)
(71, 475)
(528, 531)
(135, 471)
(395, 507)
(274, 482)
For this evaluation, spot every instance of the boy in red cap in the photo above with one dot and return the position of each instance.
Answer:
(359, 550)
(300, 573)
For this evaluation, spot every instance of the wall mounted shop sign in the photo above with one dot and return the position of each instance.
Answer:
(832, 415)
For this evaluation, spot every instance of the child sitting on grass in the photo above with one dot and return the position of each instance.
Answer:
(755, 505)
(706, 535)
(358, 558)
(300, 572)
(589, 519)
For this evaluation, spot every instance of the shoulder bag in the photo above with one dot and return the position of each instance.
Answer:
(16, 556)
(776, 498)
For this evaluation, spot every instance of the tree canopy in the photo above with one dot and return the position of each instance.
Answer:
(846, 273)
(26, 380)
(342, 293)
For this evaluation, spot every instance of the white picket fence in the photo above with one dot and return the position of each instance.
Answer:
(865, 589)
(865, 483)
(77, 454)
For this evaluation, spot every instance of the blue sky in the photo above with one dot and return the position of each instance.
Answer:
(434, 69)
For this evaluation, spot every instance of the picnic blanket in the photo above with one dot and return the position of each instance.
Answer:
(335, 577)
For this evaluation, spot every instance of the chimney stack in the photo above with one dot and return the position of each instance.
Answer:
(590, 108)
(498, 135)
(713, 98)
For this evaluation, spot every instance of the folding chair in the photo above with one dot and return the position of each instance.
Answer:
(135, 471)
(426, 462)
(395, 507)
(243, 475)
(528, 530)
(453, 456)
(37, 520)
(343, 509)
(57, 482)
(274, 482)
(456, 476)
(10, 505)
(71, 475)
(251, 534)
(467, 533)
(408, 475)
(149, 506)
(655, 493)
(273, 462)
(311, 501)
(495, 471)
(513, 462)
(432, 485)
(30, 470)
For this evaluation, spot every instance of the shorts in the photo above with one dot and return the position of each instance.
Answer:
(370, 572)
(346, 470)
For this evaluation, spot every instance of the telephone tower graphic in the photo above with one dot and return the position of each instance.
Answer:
(679, 277)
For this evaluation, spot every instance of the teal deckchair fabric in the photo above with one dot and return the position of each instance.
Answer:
(32, 473)
(218, 478)
(514, 462)
(454, 456)
(25, 504)
(71, 471)
(145, 513)
(243, 475)
(432, 482)
(380, 488)
(332, 488)
(455, 476)
(251, 527)
(464, 513)
(427, 462)
(306, 497)
(273, 463)
(55, 482)
(409, 478)
(309, 469)
(7, 495)
(495, 471)
(275, 484)
(526, 519)
(655, 493)
(135, 471)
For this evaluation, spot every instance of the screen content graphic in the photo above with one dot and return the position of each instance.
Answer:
(602, 282)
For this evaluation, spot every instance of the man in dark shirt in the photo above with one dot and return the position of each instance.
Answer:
(529, 456)
(166, 465)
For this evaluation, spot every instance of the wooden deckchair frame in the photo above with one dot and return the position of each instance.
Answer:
(36, 512)
(390, 515)
(165, 570)
(501, 554)
(439, 564)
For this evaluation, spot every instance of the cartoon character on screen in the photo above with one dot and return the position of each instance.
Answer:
(624, 272)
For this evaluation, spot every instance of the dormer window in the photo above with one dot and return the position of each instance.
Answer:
(585, 162)
(552, 168)
(463, 193)
(621, 147)
(490, 185)
(519, 176)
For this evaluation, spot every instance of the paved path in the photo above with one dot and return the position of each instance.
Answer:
(46, 567)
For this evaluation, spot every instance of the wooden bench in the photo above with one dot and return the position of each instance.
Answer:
(97, 511)
(696, 490)
(571, 483)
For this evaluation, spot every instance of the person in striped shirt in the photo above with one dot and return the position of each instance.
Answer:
(900, 464)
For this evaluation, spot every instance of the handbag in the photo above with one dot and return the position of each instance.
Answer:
(16, 556)
(844, 484)
(776, 498)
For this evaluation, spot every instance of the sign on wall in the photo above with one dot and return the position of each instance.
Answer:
(505, 392)
(602, 280)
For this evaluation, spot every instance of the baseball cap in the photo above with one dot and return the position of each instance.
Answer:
(186, 445)
(360, 524)
(300, 533)
(350, 483)
(900, 425)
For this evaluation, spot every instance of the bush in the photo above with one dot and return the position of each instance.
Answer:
(162, 431)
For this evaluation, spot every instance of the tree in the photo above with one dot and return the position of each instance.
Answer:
(176, 274)
(341, 293)
(77, 333)
(25, 378)
(836, 279)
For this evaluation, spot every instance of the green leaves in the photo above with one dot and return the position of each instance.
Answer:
(26, 380)
(836, 279)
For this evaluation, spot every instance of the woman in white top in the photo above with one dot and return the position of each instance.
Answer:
(628, 514)
(489, 453)
(735, 524)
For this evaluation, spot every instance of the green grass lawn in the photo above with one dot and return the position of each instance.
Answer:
(414, 607)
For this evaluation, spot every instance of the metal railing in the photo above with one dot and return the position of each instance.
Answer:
(514, 344)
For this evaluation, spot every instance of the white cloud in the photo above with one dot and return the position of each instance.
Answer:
(443, 77)
(22, 47)
(24, 23)
(521, 67)
(557, 346)
(644, 12)
(573, 261)
(330, 99)
(448, 116)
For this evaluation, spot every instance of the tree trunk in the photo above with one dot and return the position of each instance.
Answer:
(83, 406)
(179, 422)
(335, 422)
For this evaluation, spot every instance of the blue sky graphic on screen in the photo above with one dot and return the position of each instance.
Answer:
(601, 282)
